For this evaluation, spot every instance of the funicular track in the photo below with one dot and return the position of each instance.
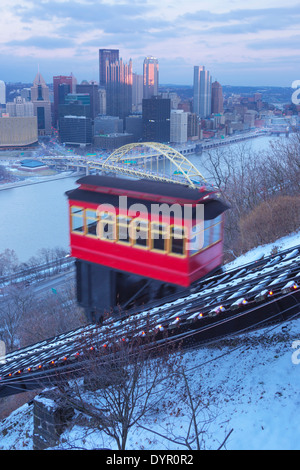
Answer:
(251, 296)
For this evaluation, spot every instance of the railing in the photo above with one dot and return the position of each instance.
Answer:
(40, 271)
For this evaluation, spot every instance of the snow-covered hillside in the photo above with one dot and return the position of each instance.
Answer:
(252, 384)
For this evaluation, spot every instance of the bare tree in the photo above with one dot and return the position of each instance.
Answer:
(126, 383)
(247, 179)
(8, 262)
(196, 411)
(13, 310)
(269, 221)
(51, 314)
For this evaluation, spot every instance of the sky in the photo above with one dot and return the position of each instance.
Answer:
(252, 44)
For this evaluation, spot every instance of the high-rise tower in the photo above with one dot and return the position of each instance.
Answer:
(202, 92)
(41, 103)
(118, 88)
(2, 93)
(62, 85)
(150, 77)
(216, 98)
(92, 89)
(110, 55)
(156, 119)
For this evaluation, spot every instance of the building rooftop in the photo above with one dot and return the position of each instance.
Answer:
(31, 163)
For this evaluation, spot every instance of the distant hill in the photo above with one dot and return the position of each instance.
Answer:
(270, 94)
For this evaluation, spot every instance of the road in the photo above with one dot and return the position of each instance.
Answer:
(55, 284)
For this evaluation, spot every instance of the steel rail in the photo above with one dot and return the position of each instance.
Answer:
(196, 315)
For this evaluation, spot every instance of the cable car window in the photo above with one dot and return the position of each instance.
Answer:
(159, 236)
(196, 241)
(139, 232)
(91, 221)
(107, 226)
(177, 246)
(77, 219)
(123, 229)
(207, 232)
(216, 228)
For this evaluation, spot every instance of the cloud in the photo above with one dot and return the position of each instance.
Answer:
(289, 43)
(243, 21)
(92, 22)
(69, 34)
(89, 12)
(43, 42)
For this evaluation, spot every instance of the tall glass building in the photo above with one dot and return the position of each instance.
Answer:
(119, 88)
(41, 103)
(202, 91)
(2, 93)
(106, 55)
(150, 77)
(156, 119)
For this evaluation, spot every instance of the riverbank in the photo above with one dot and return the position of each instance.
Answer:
(40, 180)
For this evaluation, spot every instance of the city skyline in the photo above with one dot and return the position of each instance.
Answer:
(256, 45)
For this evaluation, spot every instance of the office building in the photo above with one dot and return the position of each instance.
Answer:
(216, 98)
(92, 90)
(174, 98)
(193, 126)
(134, 126)
(41, 103)
(20, 107)
(75, 130)
(113, 141)
(26, 94)
(156, 119)
(119, 88)
(18, 131)
(2, 93)
(137, 93)
(62, 85)
(82, 98)
(76, 104)
(202, 92)
(107, 125)
(150, 77)
(178, 126)
(102, 100)
(106, 56)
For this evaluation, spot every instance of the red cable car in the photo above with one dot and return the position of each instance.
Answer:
(136, 240)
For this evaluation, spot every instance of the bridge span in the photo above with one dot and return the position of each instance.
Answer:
(147, 159)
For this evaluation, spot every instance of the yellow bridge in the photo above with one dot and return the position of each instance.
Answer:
(149, 160)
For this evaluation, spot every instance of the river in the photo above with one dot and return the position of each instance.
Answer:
(36, 216)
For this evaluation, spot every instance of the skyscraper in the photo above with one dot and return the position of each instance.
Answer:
(118, 88)
(137, 92)
(156, 119)
(202, 92)
(150, 77)
(102, 100)
(20, 107)
(110, 55)
(41, 103)
(62, 85)
(216, 98)
(178, 126)
(92, 90)
(2, 93)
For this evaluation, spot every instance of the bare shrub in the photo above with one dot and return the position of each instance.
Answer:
(248, 179)
(120, 387)
(50, 315)
(269, 221)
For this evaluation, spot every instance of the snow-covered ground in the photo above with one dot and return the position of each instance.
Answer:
(252, 384)
(283, 243)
